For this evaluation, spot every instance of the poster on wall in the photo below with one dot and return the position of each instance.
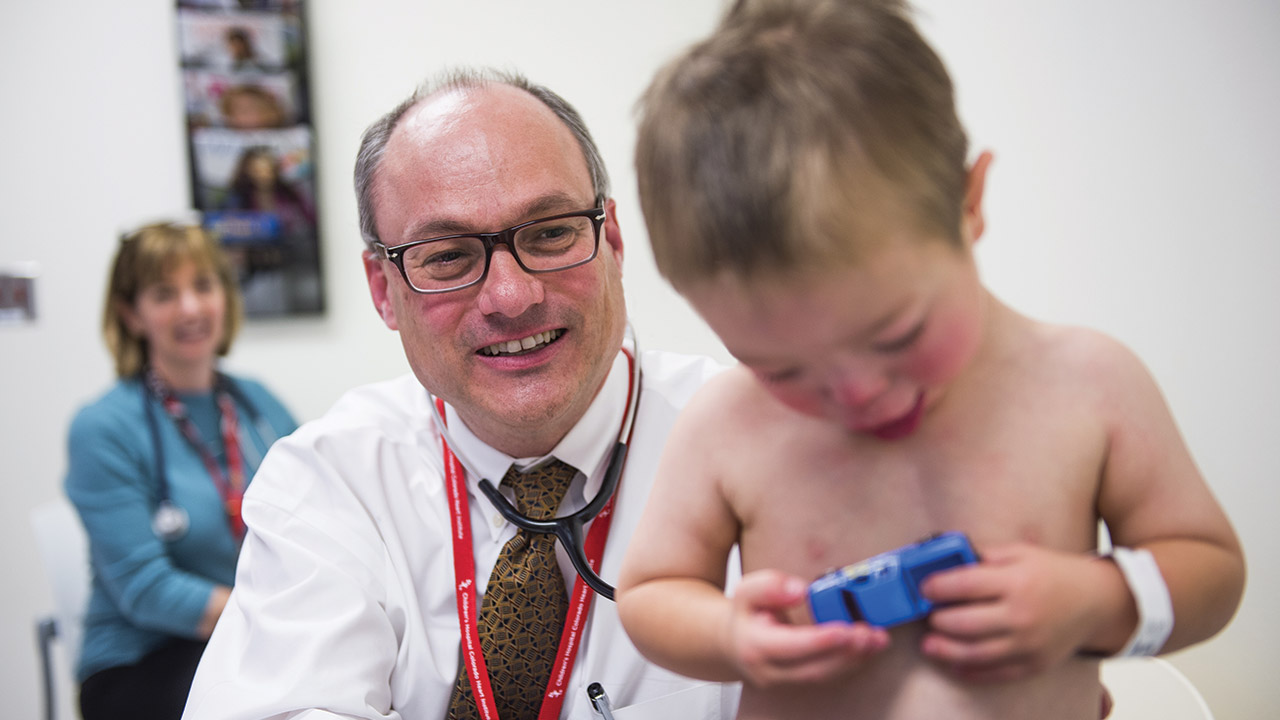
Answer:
(251, 146)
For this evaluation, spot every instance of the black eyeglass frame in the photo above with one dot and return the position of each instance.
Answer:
(395, 253)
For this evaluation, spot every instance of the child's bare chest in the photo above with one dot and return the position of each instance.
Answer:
(996, 477)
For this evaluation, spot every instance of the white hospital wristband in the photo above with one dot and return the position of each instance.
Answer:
(1155, 609)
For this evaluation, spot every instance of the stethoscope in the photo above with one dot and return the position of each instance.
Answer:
(568, 528)
(170, 521)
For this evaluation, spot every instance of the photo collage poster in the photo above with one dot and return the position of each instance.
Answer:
(251, 144)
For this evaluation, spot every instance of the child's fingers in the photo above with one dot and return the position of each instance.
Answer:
(963, 584)
(961, 652)
(770, 650)
(986, 580)
(825, 666)
(970, 621)
(769, 590)
(811, 653)
(792, 644)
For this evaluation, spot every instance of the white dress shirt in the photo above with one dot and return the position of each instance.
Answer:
(344, 602)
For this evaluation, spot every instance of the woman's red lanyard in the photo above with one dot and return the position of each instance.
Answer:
(465, 573)
(231, 484)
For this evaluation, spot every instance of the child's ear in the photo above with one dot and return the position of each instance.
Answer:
(972, 220)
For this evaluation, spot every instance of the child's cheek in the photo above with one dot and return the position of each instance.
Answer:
(944, 352)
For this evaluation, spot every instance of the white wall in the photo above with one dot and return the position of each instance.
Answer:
(1134, 190)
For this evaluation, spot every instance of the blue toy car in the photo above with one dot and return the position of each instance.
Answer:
(885, 590)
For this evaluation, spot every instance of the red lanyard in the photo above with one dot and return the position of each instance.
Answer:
(231, 484)
(464, 566)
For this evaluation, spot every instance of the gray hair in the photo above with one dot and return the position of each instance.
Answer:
(373, 143)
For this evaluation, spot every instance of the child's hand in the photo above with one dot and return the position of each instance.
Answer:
(1022, 609)
(768, 650)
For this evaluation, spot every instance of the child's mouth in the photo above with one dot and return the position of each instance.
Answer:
(903, 426)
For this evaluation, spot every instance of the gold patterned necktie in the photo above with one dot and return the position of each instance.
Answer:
(524, 605)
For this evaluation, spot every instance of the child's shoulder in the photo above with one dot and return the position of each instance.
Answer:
(733, 422)
(1080, 354)
(737, 387)
(734, 397)
(1083, 345)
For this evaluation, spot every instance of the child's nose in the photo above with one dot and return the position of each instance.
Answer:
(857, 387)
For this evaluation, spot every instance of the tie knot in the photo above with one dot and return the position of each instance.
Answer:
(539, 491)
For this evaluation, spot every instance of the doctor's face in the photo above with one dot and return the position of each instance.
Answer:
(518, 356)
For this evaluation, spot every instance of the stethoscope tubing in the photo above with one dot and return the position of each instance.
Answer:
(568, 529)
(170, 522)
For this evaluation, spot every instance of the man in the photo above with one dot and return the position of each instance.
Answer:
(354, 595)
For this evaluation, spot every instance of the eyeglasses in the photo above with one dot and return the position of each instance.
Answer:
(453, 262)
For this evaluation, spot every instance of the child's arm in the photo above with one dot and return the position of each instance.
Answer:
(1154, 497)
(1026, 608)
(671, 591)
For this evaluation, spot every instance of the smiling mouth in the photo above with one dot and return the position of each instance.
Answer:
(902, 426)
(523, 345)
(191, 334)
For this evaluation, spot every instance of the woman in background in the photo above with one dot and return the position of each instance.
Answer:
(157, 467)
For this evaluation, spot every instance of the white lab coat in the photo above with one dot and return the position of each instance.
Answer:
(344, 603)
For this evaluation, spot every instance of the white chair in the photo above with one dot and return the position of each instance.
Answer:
(64, 551)
(1151, 689)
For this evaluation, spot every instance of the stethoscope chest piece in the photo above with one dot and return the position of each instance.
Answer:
(170, 522)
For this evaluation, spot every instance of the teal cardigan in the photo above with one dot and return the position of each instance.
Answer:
(146, 591)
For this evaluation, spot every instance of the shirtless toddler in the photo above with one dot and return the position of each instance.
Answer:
(805, 182)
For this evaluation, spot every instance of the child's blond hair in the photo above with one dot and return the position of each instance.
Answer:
(772, 145)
